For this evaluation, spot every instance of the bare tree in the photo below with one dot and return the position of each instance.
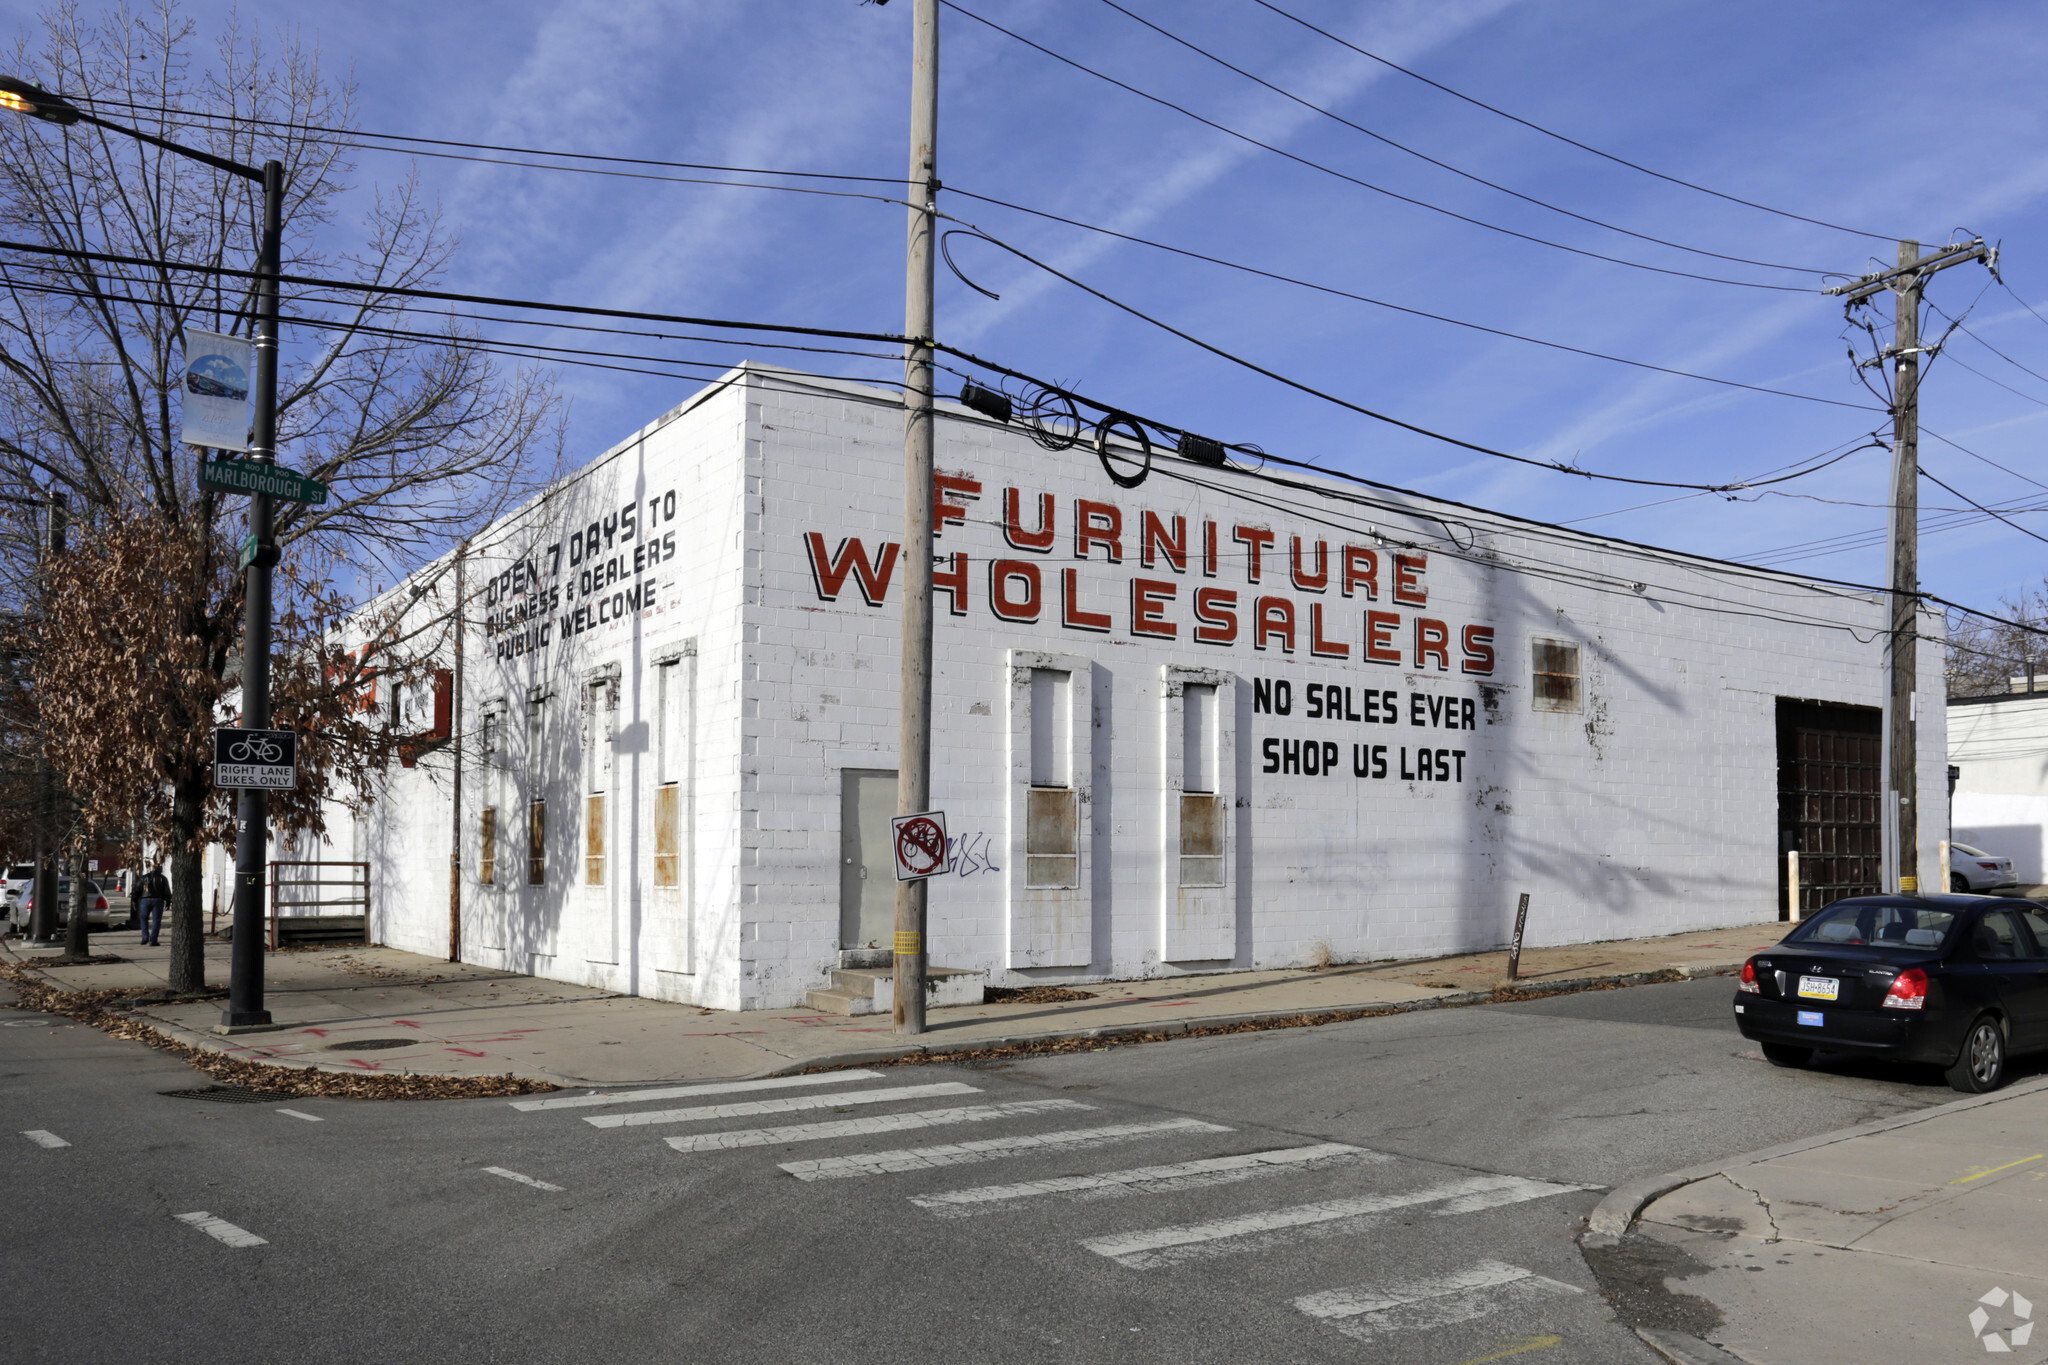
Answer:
(420, 435)
(1985, 656)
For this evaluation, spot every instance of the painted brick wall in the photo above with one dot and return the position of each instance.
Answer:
(1649, 808)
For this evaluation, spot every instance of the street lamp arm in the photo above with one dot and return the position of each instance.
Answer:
(219, 163)
(26, 97)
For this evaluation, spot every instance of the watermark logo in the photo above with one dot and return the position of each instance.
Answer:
(1996, 1341)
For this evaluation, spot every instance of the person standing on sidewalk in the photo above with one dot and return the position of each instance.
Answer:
(150, 894)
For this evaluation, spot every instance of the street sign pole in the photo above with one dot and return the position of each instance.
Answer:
(245, 965)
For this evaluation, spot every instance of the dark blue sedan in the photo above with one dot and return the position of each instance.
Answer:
(1959, 981)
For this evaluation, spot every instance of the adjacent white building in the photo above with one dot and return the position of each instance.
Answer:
(1998, 746)
(1217, 720)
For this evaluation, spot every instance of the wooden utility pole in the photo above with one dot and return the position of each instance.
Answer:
(456, 737)
(1907, 281)
(914, 756)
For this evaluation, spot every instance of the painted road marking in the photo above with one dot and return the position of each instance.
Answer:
(310, 1118)
(221, 1230)
(676, 1092)
(781, 1106)
(988, 1149)
(1154, 1247)
(874, 1123)
(1182, 1175)
(1996, 1169)
(1367, 1311)
(524, 1179)
(42, 1137)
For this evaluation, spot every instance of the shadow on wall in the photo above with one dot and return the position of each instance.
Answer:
(2021, 843)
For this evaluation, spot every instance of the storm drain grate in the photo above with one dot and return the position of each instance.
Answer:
(370, 1045)
(227, 1094)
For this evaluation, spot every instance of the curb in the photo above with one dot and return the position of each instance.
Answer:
(1025, 1044)
(1615, 1214)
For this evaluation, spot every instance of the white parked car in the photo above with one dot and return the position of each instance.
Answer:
(97, 916)
(1972, 869)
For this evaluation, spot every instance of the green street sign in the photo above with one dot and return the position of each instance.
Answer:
(251, 476)
(248, 551)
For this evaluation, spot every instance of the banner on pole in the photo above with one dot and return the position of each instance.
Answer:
(216, 402)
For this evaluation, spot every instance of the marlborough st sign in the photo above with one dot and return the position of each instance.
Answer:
(252, 476)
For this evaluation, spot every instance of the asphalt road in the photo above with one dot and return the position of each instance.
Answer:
(1405, 1189)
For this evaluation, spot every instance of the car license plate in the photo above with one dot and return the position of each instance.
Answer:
(1819, 988)
(1810, 1018)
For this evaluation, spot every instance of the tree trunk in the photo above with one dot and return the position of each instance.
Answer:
(188, 932)
(77, 936)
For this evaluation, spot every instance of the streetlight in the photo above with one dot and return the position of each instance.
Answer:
(245, 973)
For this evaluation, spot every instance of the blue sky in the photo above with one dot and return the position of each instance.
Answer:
(1875, 115)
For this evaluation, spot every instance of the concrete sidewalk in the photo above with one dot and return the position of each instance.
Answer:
(1922, 1238)
(380, 1011)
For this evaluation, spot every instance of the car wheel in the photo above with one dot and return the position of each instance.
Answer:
(1784, 1054)
(1980, 1065)
(1958, 883)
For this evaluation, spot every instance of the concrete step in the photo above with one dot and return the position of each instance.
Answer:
(872, 990)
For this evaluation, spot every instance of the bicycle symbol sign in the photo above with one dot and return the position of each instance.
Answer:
(255, 750)
(256, 758)
(920, 845)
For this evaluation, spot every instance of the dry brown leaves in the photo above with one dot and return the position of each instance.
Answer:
(1032, 995)
(107, 1010)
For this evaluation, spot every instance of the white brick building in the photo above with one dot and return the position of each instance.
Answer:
(1213, 721)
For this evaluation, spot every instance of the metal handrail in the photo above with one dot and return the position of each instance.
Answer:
(278, 884)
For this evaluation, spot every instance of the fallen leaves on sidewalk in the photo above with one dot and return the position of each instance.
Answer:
(1032, 995)
(108, 1011)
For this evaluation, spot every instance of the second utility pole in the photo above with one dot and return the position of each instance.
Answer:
(914, 756)
(1907, 281)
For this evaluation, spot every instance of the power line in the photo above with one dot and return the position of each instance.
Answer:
(1445, 165)
(352, 133)
(1354, 180)
(1986, 459)
(1314, 392)
(1572, 141)
(1394, 307)
(1981, 507)
(446, 296)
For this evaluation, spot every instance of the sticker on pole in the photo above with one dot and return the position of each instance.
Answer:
(267, 759)
(920, 845)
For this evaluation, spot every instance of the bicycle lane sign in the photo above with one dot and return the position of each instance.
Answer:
(268, 759)
(920, 845)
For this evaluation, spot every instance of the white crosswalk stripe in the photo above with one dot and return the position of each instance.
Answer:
(43, 1137)
(1368, 1311)
(1181, 1175)
(1154, 1247)
(988, 1149)
(221, 1230)
(783, 1105)
(677, 1092)
(873, 1123)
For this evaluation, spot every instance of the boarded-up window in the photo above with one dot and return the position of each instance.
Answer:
(1201, 839)
(1052, 837)
(593, 840)
(537, 844)
(667, 836)
(1555, 681)
(487, 854)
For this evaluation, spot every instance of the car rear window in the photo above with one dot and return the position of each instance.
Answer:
(1881, 926)
(1969, 852)
(21, 872)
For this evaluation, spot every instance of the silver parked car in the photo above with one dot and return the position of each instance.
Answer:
(97, 914)
(1972, 869)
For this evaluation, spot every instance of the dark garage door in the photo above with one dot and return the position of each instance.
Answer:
(1830, 802)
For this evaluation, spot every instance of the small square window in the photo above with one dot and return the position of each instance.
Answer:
(1554, 685)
